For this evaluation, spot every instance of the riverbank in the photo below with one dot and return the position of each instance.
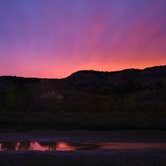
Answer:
(79, 136)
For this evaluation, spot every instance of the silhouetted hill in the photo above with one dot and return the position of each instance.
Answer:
(125, 81)
(131, 91)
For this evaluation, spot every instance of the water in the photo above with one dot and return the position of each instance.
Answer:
(82, 140)
(66, 146)
(83, 148)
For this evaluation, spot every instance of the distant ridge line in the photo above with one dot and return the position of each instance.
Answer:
(153, 68)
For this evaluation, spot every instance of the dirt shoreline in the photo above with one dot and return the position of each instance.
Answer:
(84, 135)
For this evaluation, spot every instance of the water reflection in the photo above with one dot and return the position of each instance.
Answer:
(64, 146)
(36, 146)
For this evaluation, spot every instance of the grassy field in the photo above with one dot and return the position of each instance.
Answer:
(80, 120)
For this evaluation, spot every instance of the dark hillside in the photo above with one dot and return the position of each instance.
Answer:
(129, 91)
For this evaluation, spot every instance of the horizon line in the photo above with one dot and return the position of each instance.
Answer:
(104, 71)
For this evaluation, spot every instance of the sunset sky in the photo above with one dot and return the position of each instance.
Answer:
(53, 38)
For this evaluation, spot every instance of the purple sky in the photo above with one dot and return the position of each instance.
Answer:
(53, 38)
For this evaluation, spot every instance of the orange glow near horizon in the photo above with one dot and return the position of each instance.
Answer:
(53, 39)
